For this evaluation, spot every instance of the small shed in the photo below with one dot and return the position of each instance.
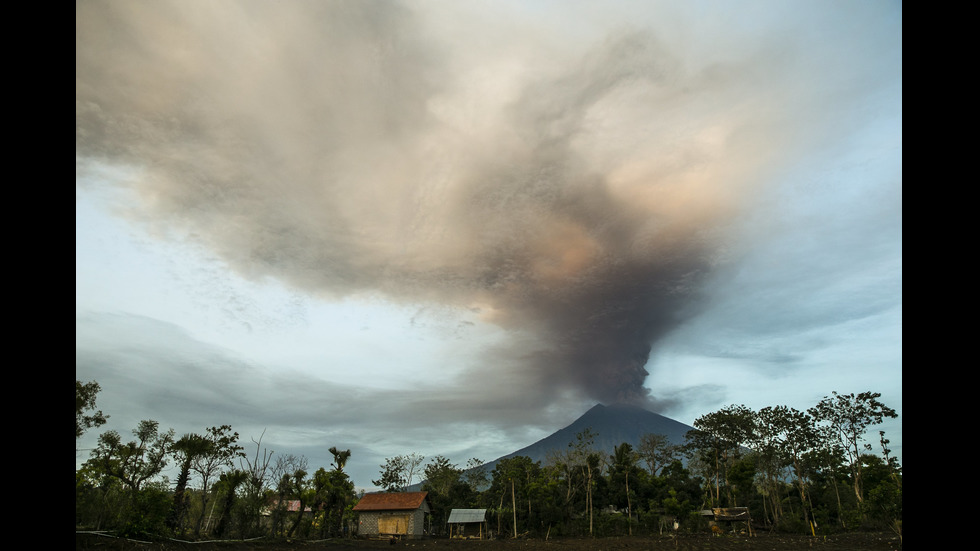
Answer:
(729, 515)
(400, 514)
(468, 523)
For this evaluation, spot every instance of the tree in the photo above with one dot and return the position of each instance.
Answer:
(135, 464)
(561, 469)
(721, 437)
(657, 451)
(219, 448)
(339, 490)
(826, 463)
(301, 490)
(227, 486)
(441, 477)
(589, 461)
(891, 462)
(342, 497)
(85, 394)
(289, 472)
(413, 464)
(884, 483)
(320, 497)
(771, 461)
(252, 502)
(622, 467)
(398, 472)
(184, 450)
(392, 475)
(678, 492)
(340, 457)
(475, 475)
(848, 417)
(513, 484)
(800, 440)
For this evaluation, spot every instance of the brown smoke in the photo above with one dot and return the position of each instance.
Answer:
(578, 199)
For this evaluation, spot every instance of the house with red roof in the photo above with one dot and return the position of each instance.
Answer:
(401, 514)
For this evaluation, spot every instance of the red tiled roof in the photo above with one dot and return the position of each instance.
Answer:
(394, 501)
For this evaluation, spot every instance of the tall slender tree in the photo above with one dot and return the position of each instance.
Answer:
(561, 469)
(340, 490)
(771, 462)
(227, 485)
(301, 490)
(623, 465)
(220, 448)
(289, 472)
(589, 462)
(848, 417)
(801, 439)
(185, 450)
(252, 502)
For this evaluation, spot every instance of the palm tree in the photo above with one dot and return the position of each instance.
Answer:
(188, 448)
(339, 457)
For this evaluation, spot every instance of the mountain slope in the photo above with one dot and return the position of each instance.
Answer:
(611, 426)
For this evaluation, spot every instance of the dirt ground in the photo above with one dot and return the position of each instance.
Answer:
(863, 541)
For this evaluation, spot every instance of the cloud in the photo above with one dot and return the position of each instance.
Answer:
(149, 369)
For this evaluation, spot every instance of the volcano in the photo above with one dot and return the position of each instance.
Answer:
(610, 426)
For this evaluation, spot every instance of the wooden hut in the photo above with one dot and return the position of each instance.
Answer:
(729, 515)
(468, 523)
(395, 514)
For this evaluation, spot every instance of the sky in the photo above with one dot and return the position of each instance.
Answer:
(451, 227)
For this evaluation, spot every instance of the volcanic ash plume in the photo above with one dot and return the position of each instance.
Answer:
(575, 196)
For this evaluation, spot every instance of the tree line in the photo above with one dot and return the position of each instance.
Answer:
(796, 471)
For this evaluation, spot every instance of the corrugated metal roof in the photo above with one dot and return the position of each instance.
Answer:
(467, 515)
(394, 501)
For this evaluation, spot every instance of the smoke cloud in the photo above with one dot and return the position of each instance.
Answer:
(575, 195)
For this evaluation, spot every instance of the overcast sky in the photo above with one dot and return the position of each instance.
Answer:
(451, 227)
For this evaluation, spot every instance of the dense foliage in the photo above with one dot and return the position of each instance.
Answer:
(802, 472)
